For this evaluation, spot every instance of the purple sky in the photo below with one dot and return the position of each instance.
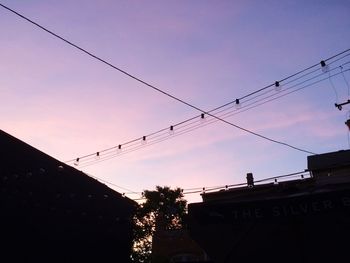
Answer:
(207, 53)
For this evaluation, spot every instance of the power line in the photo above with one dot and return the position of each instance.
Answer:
(139, 79)
(295, 74)
(207, 189)
(136, 141)
(118, 186)
(232, 186)
(166, 93)
(101, 60)
(346, 81)
(137, 146)
(185, 191)
(192, 123)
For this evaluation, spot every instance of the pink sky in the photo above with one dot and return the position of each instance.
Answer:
(205, 52)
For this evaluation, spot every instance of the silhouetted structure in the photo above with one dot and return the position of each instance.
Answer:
(303, 220)
(175, 245)
(53, 212)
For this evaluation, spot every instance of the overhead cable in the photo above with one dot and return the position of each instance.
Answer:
(166, 93)
(209, 189)
(193, 123)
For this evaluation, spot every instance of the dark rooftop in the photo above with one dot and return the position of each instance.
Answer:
(50, 209)
(329, 160)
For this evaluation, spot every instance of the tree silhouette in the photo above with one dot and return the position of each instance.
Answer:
(163, 205)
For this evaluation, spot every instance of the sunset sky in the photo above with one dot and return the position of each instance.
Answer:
(207, 53)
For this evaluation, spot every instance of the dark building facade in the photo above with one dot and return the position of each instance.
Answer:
(303, 220)
(52, 212)
(175, 245)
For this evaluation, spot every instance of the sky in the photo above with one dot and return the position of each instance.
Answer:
(207, 53)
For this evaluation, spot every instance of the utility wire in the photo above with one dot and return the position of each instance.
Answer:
(205, 189)
(137, 146)
(100, 59)
(184, 191)
(118, 186)
(166, 93)
(191, 120)
(295, 74)
(228, 187)
(193, 125)
(346, 81)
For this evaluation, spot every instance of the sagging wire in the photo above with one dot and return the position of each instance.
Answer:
(346, 81)
(275, 180)
(232, 103)
(163, 137)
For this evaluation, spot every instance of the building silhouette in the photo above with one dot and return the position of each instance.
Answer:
(301, 220)
(175, 245)
(53, 212)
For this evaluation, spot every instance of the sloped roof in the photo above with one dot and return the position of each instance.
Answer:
(48, 203)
